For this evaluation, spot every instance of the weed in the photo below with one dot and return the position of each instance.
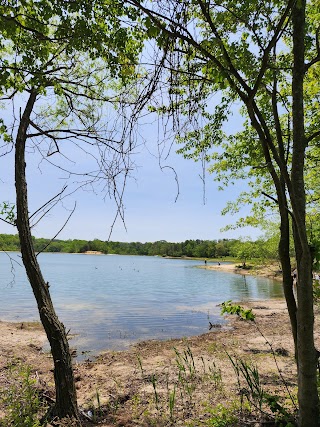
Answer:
(186, 370)
(172, 399)
(140, 365)
(252, 380)
(203, 365)
(267, 404)
(215, 376)
(282, 417)
(212, 373)
(154, 385)
(213, 347)
(221, 416)
(185, 361)
(98, 411)
(21, 399)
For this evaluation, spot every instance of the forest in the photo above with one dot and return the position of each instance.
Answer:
(263, 249)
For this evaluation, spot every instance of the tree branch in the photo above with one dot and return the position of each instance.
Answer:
(66, 222)
(49, 201)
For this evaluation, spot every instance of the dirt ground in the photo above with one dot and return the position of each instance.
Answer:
(184, 382)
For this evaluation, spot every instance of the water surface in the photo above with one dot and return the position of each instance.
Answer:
(110, 301)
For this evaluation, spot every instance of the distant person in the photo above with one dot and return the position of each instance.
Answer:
(205, 261)
(218, 263)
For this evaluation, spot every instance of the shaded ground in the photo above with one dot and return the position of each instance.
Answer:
(175, 382)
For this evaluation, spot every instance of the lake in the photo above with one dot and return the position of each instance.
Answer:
(111, 301)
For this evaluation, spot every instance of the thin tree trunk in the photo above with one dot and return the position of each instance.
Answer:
(284, 254)
(66, 401)
(307, 355)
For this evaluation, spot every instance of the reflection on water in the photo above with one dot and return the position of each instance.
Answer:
(247, 289)
(112, 301)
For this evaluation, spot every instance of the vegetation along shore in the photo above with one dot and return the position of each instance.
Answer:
(262, 249)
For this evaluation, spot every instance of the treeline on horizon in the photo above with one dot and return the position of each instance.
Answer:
(242, 249)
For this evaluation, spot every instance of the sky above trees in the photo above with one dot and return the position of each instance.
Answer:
(155, 208)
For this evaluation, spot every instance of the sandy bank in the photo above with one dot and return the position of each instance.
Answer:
(269, 271)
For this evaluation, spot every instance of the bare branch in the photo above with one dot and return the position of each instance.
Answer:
(66, 222)
(47, 203)
(313, 136)
(276, 201)
(7, 222)
(317, 58)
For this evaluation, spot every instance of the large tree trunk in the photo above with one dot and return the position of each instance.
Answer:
(307, 356)
(66, 401)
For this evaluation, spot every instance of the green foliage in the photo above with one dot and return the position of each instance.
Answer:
(245, 250)
(221, 416)
(282, 416)
(315, 251)
(7, 211)
(21, 399)
(316, 291)
(231, 308)
(36, 31)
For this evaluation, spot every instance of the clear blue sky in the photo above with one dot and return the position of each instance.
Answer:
(151, 212)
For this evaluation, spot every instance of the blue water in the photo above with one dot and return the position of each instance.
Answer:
(111, 301)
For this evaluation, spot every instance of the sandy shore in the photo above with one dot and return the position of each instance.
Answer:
(123, 380)
(269, 271)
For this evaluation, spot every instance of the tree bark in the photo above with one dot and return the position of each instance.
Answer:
(284, 254)
(307, 355)
(66, 401)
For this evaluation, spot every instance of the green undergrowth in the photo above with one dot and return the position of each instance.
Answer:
(21, 398)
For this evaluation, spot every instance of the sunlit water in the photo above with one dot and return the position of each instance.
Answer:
(112, 301)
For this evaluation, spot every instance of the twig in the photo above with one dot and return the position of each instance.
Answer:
(71, 213)
(49, 201)
(7, 222)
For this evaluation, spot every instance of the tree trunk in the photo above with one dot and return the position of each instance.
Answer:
(307, 356)
(66, 401)
(284, 254)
